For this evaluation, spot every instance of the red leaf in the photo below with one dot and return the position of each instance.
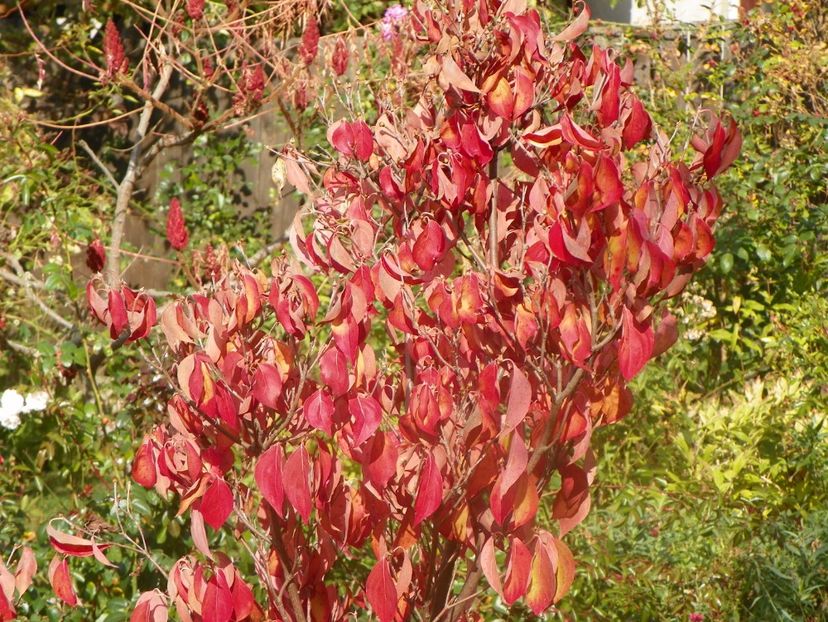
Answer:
(363, 145)
(71, 545)
(6, 608)
(520, 397)
(7, 587)
(217, 503)
(61, 581)
(429, 490)
(572, 503)
(297, 473)
(381, 591)
(177, 234)
(516, 462)
(366, 415)
(517, 572)
(334, 371)
(352, 139)
(150, 608)
(143, 466)
(117, 313)
(380, 459)
(346, 337)
(268, 475)
(638, 125)
(666, 333)
(635, 347)
(267, 385)
(430, 246)
(217, 605)
(318, 410)
(608, 110)
(243, 603)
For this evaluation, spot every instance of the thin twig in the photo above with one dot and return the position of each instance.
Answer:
(107, 173)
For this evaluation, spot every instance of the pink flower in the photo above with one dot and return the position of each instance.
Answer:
(696, 617)
(387, 30)
(395, 14)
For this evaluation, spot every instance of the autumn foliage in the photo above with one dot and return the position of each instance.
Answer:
(513, 235)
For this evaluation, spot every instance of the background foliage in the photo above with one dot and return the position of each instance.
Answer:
(712, 496)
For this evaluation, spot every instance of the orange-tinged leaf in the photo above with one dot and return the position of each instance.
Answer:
(565, 574)
(525, 501)
(455, 77)
(524, 92)
(500, 99)
(199, 533)
(542, 581)
(517, 572)
(572, 502)
(488, 564)
(578, 25)
(26, 569)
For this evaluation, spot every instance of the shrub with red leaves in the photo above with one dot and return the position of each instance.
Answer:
(514, 234)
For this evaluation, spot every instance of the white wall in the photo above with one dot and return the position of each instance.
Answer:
(685, 10)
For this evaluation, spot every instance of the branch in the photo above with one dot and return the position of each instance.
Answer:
(107, 173)
(262, 254)
(23, 280)
(127, 185)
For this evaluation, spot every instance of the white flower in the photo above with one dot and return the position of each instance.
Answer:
(36, 401)
(11, 403)
(9, 419)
